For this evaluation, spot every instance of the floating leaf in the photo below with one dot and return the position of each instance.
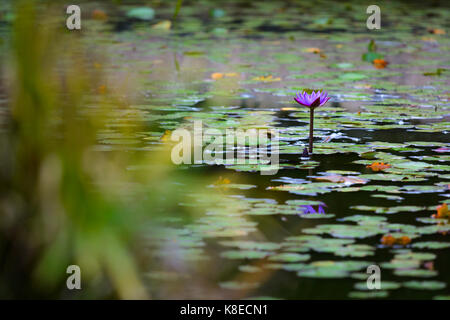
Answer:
(235, 285)
(442, 149)
(98, 14)
(368, 294)
(401, 264)
(380, 63)
(142, 13)
(389, 240)
(438, 72)
(416, 256)
(385, 285)
(249, 268)
(420, 273)
(290, 257)
(244, 254)
(378, 166)
(347, 180)
(351, 76)
(424, 285)
(442, 212)
(313, 50)
(268, 78)
(162, 25)
(431, 245)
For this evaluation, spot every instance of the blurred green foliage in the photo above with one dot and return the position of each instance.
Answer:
(62, 202)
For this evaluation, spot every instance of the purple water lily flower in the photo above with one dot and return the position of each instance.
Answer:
(313, 100)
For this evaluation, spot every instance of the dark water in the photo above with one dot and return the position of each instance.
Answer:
(269, 54)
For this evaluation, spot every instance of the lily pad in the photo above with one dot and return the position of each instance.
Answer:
(431, 245)
(142, 13)
(424, 285)
(290, 257)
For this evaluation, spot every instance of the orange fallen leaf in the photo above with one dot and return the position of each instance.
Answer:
(378, 166)
(403, 240)
(428, 39)
(221, 181)
(166, 135)
(267, 78)
(313, 50)
(442, 211)
(101, 89)
(98, 14)
(388, 240)
(217, 75)
(380, 63)
(429, 265)
(436, 31)
(163, 25)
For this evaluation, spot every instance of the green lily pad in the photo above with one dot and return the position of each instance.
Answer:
(416, 273)
(423, 256)
(244, 254)
(249, 268)
(431, 245)
(401, 264)
(368, 294)
(385, 285)
(424, 285)
(290, 257)
(142, 13)
(235, 285)
(352, 76)
(251, 245)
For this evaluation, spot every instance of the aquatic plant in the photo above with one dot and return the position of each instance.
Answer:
(378, 166)
(68, 202)
(442, 212)
(389, 240)
(312, 100)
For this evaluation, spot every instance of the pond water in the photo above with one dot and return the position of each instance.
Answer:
(239, 66)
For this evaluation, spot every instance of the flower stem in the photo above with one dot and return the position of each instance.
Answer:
(311, 130)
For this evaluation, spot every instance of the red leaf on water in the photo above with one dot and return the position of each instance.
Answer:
(378, 166)
(348, 180)
(442, 149)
